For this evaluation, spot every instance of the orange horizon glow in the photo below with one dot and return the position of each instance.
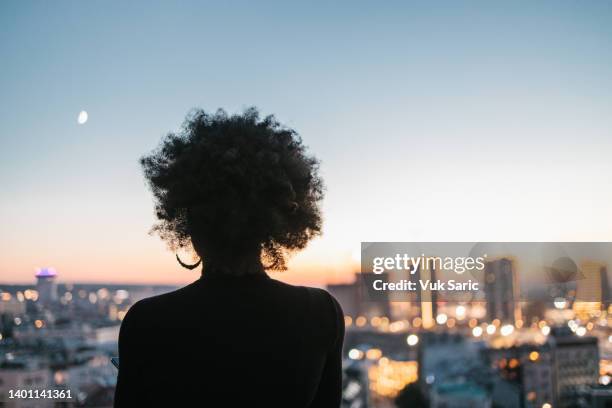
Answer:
(161, 268)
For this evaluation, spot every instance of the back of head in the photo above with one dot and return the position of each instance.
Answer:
(235, 187)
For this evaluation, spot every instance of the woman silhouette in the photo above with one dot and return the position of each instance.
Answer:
(242, 193)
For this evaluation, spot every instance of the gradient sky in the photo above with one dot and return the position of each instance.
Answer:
(437, 121)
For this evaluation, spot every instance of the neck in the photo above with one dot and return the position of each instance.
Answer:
(237, 266)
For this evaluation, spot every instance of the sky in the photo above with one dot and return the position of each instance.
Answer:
(433, 121)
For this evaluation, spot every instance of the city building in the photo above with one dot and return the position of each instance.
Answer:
(360, 299)
(501, 291)
(575, 365)
(592, 290)
(427, 299)
(12, 306)
(449, 359)
(46, 286)
(526, 371)
(459, 395)
(355, 385)
(594, 397)
(23, 375)
(507, 394)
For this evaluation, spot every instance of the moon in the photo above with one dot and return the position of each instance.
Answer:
(82, 118)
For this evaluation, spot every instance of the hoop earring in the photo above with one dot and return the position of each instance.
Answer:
(188, 266)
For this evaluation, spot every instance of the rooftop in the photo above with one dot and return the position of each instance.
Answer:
(45, 273)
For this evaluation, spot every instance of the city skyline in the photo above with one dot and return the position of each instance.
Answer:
(482, 122)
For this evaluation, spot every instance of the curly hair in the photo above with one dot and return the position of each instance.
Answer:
(235, 183)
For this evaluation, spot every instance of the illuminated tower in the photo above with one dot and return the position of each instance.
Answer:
(591, 289)
(46, 286)
(501, 291)
(427, 299)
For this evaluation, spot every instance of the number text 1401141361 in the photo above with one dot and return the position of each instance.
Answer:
(40, 394)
